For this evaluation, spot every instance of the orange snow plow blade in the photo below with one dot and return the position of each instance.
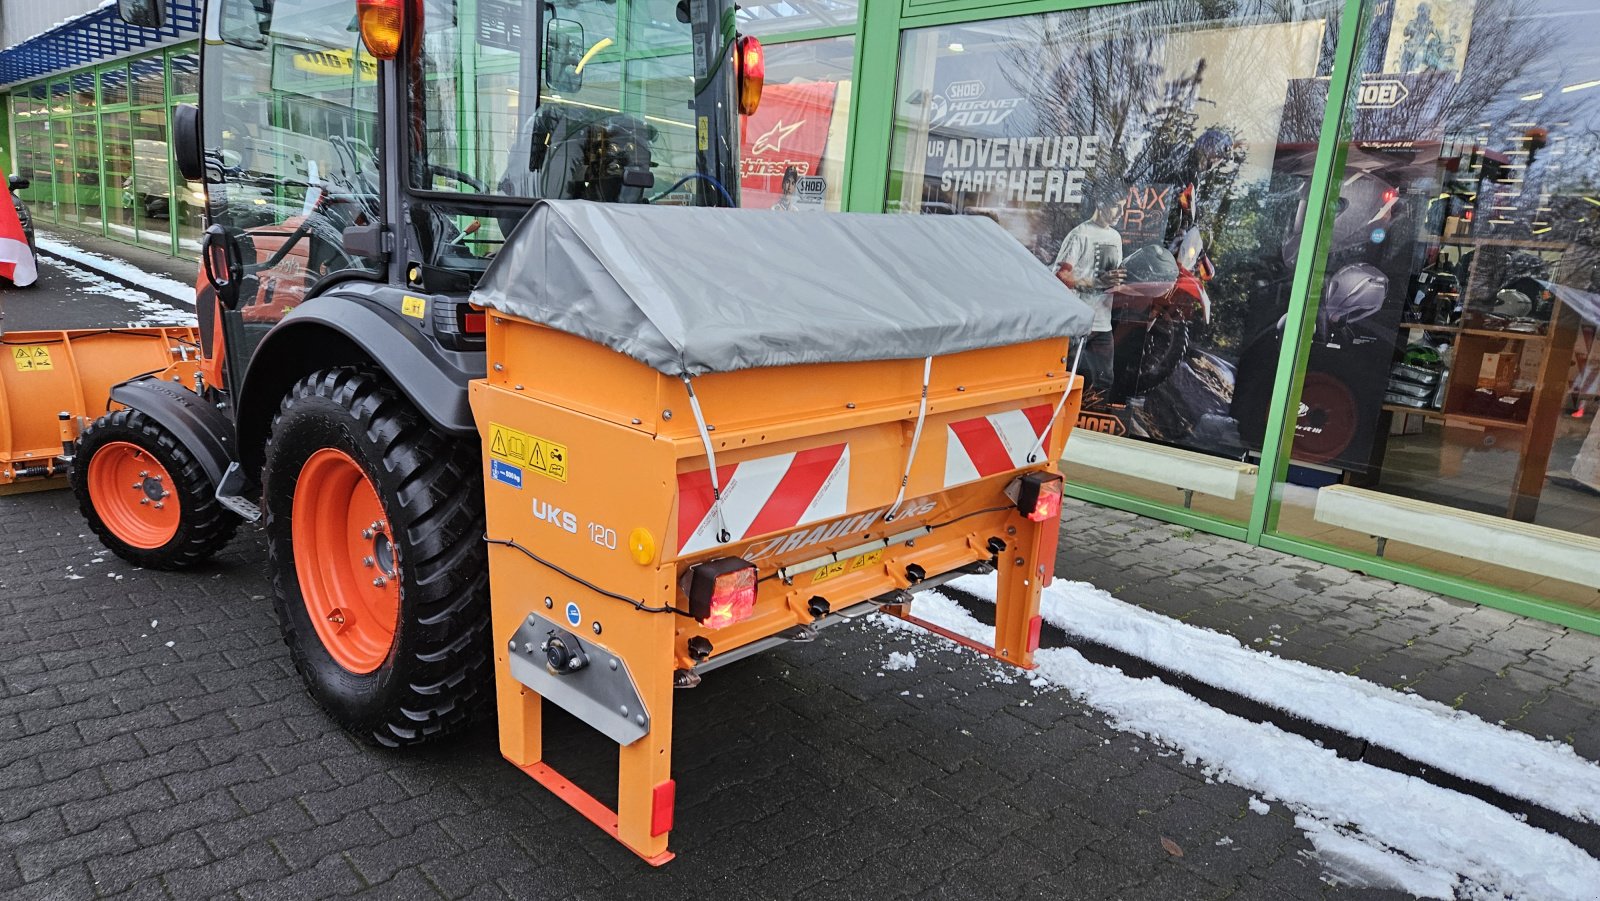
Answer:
(53, 383)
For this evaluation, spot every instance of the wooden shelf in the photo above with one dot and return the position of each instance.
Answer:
(1502, 333)
(1487, 422)
(1445, 329)
(1524, 243)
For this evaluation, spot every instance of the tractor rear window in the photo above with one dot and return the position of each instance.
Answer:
(607, 112)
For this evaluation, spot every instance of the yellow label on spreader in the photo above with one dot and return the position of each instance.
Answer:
(31, 358)
(543, 456)
(850, 565)
(415, 307)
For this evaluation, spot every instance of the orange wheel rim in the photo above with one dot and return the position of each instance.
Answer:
(346, 560)
(132, 493)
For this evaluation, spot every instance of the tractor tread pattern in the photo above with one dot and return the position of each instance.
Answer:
(432, 493)
(205, 525)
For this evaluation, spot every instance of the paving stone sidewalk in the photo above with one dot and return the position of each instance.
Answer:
(1526, 674)
(156, 743)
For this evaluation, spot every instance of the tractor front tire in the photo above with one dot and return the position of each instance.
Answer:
(145, 495)
(375, 524)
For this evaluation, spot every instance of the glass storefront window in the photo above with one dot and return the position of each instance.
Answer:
(149, 81)
(114, 86)
(150, 194)
(185, 69)
(793, 147)
(1138, 151)
(83, 93)
(1455, 360)
(764, 18)
(85, 183)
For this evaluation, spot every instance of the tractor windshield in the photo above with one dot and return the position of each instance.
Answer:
(620, 101)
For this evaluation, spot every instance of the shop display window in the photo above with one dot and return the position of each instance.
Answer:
(765, 18)
(1453, 360)
(1138, 151)
(793, 147)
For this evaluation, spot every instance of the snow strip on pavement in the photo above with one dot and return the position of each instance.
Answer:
(1370, 826)
(1545, 773)
(157, 284)
(149, 311)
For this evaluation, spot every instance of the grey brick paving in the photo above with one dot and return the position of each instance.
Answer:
(129, 769)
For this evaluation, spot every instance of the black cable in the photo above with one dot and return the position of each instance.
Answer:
(506, 542)
(948, 522)
(930, 527)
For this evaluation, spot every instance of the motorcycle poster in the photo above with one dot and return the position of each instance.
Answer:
(1032, 130)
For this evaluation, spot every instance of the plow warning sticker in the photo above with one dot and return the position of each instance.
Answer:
(540, 455)
(31, 357)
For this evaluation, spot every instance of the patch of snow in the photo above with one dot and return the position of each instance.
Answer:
(1259, 806)
(1392, 830)
(900, 661)
(1546, 773)
(99, 263)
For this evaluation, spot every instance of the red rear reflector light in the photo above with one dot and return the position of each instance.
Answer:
(474, 323)
(661, 804)
(1038, 495)
(721, 592)
(1034, 625)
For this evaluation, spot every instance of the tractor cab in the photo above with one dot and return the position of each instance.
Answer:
(398, 142)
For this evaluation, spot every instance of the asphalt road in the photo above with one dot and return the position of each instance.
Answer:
(69, 297)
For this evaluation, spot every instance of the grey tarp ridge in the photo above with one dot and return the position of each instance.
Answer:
(691, 291)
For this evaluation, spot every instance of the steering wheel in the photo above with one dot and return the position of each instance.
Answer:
(459, 176)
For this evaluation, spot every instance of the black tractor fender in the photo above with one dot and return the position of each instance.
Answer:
(197, 424)
(344, 329)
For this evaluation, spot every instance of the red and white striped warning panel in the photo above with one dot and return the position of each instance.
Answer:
(765, 495)
(989, 445)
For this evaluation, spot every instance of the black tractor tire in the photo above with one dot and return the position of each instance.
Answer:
(434, 677)
(202, 525)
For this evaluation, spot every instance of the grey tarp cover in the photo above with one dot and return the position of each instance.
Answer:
(692, 291)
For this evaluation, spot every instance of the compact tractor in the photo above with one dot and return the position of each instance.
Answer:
(530, 416)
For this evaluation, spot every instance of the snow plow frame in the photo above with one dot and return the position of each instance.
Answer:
(52, 383)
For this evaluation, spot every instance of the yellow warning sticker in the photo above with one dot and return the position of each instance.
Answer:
(31, 358)
(704, 131)
(541, 455)
(852, 564)
(415, 307)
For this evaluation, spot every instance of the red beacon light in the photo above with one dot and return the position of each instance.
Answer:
(1038, 495)
(721, 592)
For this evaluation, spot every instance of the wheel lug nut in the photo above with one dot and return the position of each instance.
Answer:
(366, 561)
(144, 473)
(165, 493)
(138, 486)
(366, 533)
(378, 583)
(143, 501)
(159, 505)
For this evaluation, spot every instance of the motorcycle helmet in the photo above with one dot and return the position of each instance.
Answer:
(1422, 356)
(1362, 216)
(1353, 293)
(1151, 263)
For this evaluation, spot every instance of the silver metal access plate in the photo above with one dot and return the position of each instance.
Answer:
(602, 694)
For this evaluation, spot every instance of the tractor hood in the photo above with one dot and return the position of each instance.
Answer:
(692, 291)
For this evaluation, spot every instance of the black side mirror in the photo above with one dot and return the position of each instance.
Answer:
(186, 142)
(564, 47)
(143, 13)
(18, 183)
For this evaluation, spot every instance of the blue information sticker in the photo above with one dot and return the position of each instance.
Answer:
(574, 615)
(505, 472)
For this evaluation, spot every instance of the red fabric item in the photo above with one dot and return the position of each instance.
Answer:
(16, 258)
